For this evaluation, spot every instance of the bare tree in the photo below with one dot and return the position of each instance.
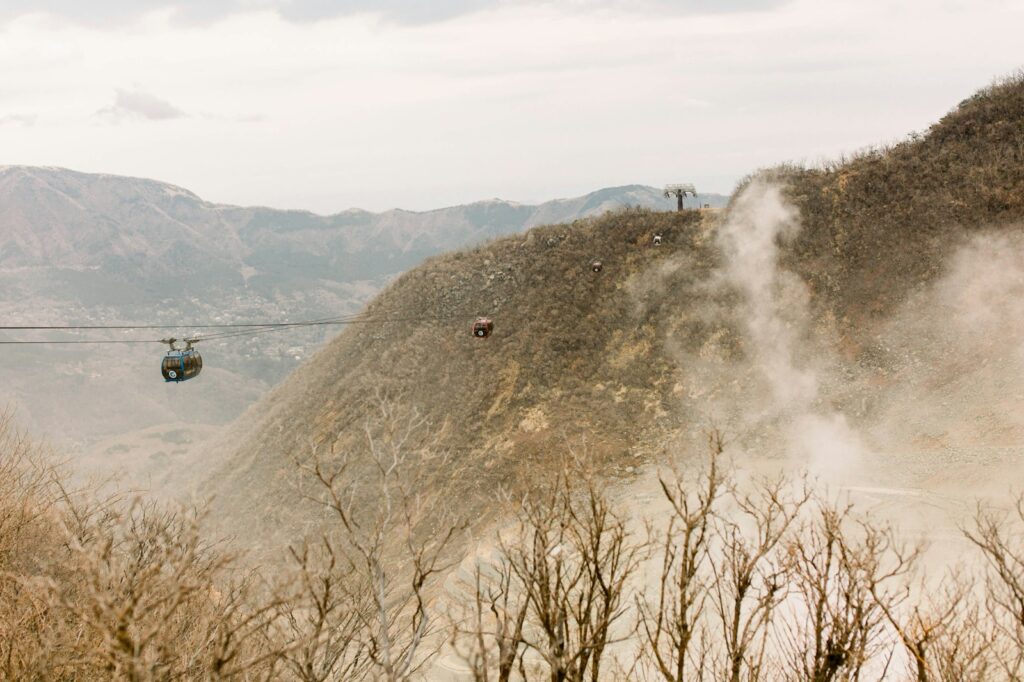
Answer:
(320, 624)
(998, 535)
(490, 640)
(393, 547)
(750, 577)
(560, 592)
(610, 557)
(916, 626)
(669, 624)
(836, 566)
(965, 648)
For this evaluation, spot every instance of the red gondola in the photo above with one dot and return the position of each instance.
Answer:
(483, 327)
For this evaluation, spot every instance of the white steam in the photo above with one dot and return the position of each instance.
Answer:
(775, 316)
(774, 307)
(958, 346)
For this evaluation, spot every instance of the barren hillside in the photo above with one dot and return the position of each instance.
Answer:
(573, 353)
(830, 307)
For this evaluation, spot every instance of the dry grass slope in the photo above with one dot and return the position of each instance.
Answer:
(878, 224)
(572, 354)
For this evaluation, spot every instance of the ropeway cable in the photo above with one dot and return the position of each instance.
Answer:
(237, 330)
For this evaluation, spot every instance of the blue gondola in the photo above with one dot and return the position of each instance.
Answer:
(181, 364)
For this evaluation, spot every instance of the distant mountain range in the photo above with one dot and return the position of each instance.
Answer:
(83, 248)
(162, 239)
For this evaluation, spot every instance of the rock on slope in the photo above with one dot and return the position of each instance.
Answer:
(622, 363)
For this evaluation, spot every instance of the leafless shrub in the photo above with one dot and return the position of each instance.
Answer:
(749, 583)
(151, 604)
(102, 589)
(98, 589)
(29, 547)
(27, 496)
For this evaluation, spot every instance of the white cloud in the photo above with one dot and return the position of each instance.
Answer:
(139, 104)
(99, 12)
(18, 119)
(526, 101)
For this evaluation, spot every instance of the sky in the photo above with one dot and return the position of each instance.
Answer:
(326, 105)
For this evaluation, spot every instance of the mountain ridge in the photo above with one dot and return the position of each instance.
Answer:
(180, 190)
(128, 225)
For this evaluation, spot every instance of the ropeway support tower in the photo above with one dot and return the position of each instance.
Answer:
(679, 191)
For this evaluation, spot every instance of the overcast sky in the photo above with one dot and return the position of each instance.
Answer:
(326, 105)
